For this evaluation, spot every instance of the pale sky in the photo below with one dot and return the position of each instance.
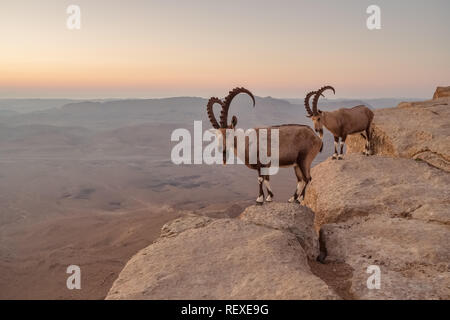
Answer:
(148, 48)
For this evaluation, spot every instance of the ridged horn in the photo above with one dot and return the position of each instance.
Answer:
(227, 101)
(308, 109)
(209, 110)
(317, 96)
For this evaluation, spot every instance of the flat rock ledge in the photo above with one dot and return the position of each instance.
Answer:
(441, 92)
(360, 185)
(385, 212)
(389, 213)
(261, 255)
(414, 130)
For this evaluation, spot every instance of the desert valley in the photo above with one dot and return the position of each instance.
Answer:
(91, 183)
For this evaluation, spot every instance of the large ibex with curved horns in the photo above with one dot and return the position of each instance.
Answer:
(341, 122)
(298, 146)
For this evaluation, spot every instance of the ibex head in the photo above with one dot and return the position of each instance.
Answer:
(223, 125)
(315, 114)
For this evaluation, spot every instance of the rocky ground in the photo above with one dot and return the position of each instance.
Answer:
(248, 258)
(390, 210)
(393, 213)
(412, 130)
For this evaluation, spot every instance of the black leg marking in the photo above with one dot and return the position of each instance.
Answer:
(294, 197)
(269, 190)
(298, 173)
(366, 144)
(260, 199)
(303, 194)
(306, 178)
(336, 142)
(341, 155)
(368, 151)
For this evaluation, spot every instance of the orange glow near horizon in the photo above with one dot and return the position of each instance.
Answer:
(161, 48)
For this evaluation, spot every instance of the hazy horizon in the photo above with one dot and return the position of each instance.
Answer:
(200, 97)
(154, 49)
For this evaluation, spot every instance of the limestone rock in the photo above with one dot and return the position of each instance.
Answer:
(221, 259)
(413, 256)
(441, 92)
(389, 212)
(189, 221)
(290, 217)
(417, 130)
(360, 185)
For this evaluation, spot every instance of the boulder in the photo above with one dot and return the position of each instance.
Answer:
(416, 130)
(188, 221)
(203, 258)
(298, 220)
(413, 256)
(389, 212)
(360, 185)
(441, 92)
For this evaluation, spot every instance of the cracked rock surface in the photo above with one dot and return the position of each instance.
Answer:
(413, 256)
(360, 185)
(287, 217)
(204, 258)
(389, 212)
(417, 130)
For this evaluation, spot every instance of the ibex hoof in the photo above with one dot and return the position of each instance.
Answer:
(334, 157)
(291, 200)
(340, 157)
(269, 198)
(259, 203)
(260, 200)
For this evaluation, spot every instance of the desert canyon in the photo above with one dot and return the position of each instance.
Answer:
(391, 209)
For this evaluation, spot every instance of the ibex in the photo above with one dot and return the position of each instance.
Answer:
(341, 122)
(298, 146)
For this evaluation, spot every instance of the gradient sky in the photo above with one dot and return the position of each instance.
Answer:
(201, 48)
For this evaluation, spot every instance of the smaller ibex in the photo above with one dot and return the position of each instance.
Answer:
(341, 122)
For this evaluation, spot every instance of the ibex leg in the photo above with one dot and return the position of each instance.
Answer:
(336, 146)
(269, 190)
(300, 180)
(260, 199)
(341, 155)
(368, 135)
(306, 177)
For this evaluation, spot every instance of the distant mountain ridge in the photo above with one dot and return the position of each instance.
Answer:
(111, 114)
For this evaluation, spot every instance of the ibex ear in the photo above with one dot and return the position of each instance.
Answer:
(233, 122)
